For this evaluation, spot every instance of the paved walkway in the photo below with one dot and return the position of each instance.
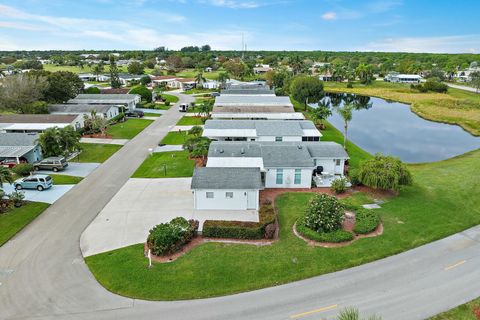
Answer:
(48, 196)
(120, 142)
(465, 88)
(153, 110)
(76, 169)
(183, 128)
(168, 148)
(140, 205)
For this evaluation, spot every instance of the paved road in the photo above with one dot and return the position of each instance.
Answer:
(43, 275)
(465, 88)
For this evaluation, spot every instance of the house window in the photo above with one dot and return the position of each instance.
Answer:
(279, 176)
(298, 176)
(209, 195)
(337, 162)
(278, 139)
(229, 195)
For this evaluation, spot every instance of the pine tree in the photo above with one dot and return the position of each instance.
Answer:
(114, 79)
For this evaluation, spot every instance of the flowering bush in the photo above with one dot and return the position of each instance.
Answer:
(339, 185)
(324, 214)
(167, 238)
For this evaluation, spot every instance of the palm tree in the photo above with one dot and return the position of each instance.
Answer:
(97, 70)
(5, 176)
(223, 77)
(199, 78)
(346, 112)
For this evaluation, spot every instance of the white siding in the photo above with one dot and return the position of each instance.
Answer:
(329, 165)
(218, 162)
(287, 138)
(288, 178)
(221, 202)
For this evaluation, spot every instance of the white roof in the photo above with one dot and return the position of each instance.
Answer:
(237, 162)
(35, 126)
(231, 132)
(416, 76)
(259, 115)
(254, 101)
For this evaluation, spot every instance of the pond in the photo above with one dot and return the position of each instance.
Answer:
(391, 128)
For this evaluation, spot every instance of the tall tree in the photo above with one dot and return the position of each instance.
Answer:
(320, 113)
(346, 112)
(62, 86)
(98, 69)
(475, 76)
(19, 91)
(223, 77)
(135, 68)
(59, 141)
(306, 89)
(199, 78)
(114, 78)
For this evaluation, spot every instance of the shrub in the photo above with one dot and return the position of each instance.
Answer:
(92, 90)
(354, 177)
(336, 236)
(23, 169)
(270, 230)
(339, 185)
(435, 86)
(117, 118)
(324, 214)
(366, 221)
(384, 172)
(167, 238)
(167, 103)
(241, 229)
(17, 198)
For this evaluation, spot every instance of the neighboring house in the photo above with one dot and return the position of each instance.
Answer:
(20, 147)
(173, 82)
(105, 111)
(261, 130)
(127, 100)
(186, 83)
(226, 188)
(211, 84)
(252, 90)
(208, 69)
(114, 90)
(283, 164)
(127, 79)
(36, 123)
(403, 78)
(254, 107)
(466, 75)
(325, 77)
(93, 77)
(261, 68)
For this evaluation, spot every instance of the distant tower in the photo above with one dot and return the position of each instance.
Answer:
(243, 46)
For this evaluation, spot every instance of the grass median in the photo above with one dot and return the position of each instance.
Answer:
(176, 164)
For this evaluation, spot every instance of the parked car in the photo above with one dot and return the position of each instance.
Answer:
(215, 94)
(134, 114)
(37, 181)
(183, 107)
(52, 163)
(8, 163)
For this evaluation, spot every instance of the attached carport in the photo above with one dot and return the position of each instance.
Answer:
(27, 153)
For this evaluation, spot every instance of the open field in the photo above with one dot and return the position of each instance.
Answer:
(166, 165)
(86, 68)
(17, 218)
(96, 153)
(455, 107)
(128, 129)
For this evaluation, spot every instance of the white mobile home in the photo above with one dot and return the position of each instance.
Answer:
(403, 78)
(127, 100)
(105, 111)
(226, 188)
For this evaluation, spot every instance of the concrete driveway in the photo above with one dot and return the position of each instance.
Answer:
(75, 169)
(48, 196)
(142, 204)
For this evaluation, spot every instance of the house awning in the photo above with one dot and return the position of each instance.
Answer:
(14, 152)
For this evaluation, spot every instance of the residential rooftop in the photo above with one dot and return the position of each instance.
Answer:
(79, 108)
(105, 96)
(258, 115)
(18, 139)
(263, 127)
(226, 178)
(37, 118)
(274, 103)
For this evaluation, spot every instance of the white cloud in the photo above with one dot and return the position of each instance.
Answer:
(329, 15)
(440, 44)
(234, 4)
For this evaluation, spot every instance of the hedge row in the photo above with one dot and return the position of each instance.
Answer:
(333, 237)
(366, 221)
(242, 229)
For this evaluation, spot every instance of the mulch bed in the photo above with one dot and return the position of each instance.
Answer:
(97, 136)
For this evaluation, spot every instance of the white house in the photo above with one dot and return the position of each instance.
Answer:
(261, 130)
(283, 164)
(127, 100)
(105, 111)
(403, 78)
(36, 123)
(211, 84)
(226, 188)
(261, 68)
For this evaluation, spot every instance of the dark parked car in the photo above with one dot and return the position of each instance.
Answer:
(134, 114)
(52, 163)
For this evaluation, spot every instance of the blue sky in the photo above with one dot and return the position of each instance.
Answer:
(363, 25)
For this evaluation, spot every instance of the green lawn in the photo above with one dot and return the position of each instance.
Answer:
(176, 164)
(148, 114)
(420, 214)
(463, 312)
(128, 129)
(190, 121)
(98, 153)
(176, 138)
(191, 73)
(170, 98)
(17, 218)
(64, 179)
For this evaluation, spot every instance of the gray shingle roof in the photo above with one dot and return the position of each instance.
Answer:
(105, 96)
(13, 152)
(248, 91)
(249, 100)
(278, 154)
(264, 127)
(79, 108)
(226, 178)
(18, 139)
(37, 118)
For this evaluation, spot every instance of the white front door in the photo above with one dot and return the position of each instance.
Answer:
(251, 200)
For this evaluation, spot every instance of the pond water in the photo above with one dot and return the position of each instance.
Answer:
(391, 128)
